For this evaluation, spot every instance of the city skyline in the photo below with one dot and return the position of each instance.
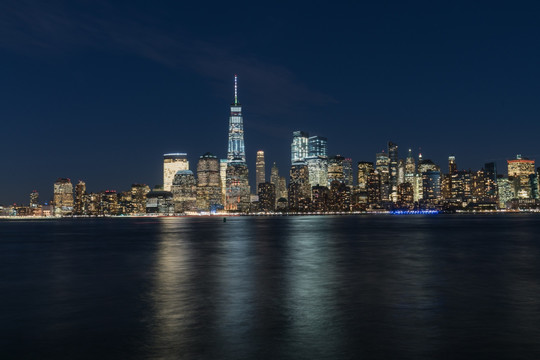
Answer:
(100, 92)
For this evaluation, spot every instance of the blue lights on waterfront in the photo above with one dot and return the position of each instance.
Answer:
(414, 212)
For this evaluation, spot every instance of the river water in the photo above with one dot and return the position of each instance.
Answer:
(305, 287)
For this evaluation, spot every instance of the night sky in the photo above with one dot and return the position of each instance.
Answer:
(99, 90)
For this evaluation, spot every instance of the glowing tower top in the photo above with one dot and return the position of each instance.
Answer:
(236, 151)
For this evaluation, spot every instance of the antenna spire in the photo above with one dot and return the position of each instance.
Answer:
(235, 89)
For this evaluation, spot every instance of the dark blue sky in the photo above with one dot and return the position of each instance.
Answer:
(98, 90)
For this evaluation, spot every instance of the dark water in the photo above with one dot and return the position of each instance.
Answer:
(350, 287)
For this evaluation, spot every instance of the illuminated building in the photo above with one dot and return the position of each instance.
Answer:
(236, 151)
(340, 195)
(479, 187)
(281, 191)
(364, 169)
(320, 198)
(452, 166)
(160, 202)
(80, 204)
(335, 169)
(317, 146)
(109, 203)
(520, 171)
(318, 170)
(274, 174)
(374, 189)
(267, 197)
(184, 191)
(393, 171)
(34, 199)
(125, 203)
(431, 185)
(383, 168)
(347, 172)
(506, 192)
(138, 197)
(406, 195)
(299, 146)
(209, 196)
(426, 165)
(63, 197)
(401, 171)
(237, 187)
(223, 163)
(259, 169)
(299, 188)
(410, 168)
(172, 163)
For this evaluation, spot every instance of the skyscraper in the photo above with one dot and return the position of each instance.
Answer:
(347, 172)
(318, 170)
(452, 166)
(393, 171)
(520, 171)
(317, 146)
(299, 187)
(259, 169)
(299, 146)
(335, 169)
(410, 168)
(34, 197)
(80, 192)
(208, 183)
(274, 174)
(236, 150)
(364, 169)
(172, 163)
(63, 196)
(184, 191)
(383, 168)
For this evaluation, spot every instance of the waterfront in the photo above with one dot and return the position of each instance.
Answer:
(414, 286)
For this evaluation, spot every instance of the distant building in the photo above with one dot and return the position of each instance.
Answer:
(335, 169)
(34, 199)
(267, 197)
(383, 168)
(172, 163)
(364, 169)
(321, 198)
(184, 191)
(340, 195)
(209, 195)
(109, 203)
(63, 197)
(80, 207)
(299, 146)
(260, 176)
(159, 202)
(520, 171)
(237, 185)
(348, 178)
(299, 188)
(236, 149)
(317, 146)
(410, 168)
(138, 197)
(393, 171)
(431, 185)
(318, 170)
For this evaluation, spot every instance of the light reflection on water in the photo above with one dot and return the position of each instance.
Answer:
(277, 287)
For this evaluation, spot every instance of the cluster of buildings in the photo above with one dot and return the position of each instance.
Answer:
(316, 182)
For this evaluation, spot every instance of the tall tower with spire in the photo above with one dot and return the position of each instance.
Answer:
(236, 151)
(237, 190)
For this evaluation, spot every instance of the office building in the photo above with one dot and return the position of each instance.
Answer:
(184, 191)
(236, 150)
(172, 163)
(63, 197)
(317, 146)
(209, 195)
(318, 170)
(335, 169)
(260, 176)
(267, 197)
(393, 171)
(299, 146)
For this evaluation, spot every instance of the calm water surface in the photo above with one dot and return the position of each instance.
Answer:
(349, 287)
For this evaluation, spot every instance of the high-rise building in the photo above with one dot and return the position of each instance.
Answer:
(208, 183)
(405, 195)
(274, 174)
(520, 171)
(299, 187)
(506, 191)
(267, 196)
(393, 171)
(281, 190)
(364, 169)
(299, 146)
(383, 168)
(260, 168)
(80, 204)
(318, 170)
(172, 163)
(401, 171)
(63, 197)
(335, 169)
(236, 150)
(184, 191)
(109, 203)
(374, 189)
(160, 202)
(317, 146)
(340, 195)
(34, 199)
(138, 197)
(321, 198)
(452, 166)
(347, 172)
(431, 185)
(410, 168)
(223, 163)
(237, 187)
